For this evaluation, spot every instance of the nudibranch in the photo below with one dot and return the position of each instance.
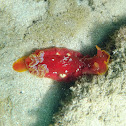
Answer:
(62, 64)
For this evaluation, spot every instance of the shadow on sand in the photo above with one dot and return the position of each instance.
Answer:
(50, 104)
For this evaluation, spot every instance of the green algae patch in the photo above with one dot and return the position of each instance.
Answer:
(59, 26)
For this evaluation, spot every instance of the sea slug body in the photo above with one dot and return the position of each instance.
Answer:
(62, 64)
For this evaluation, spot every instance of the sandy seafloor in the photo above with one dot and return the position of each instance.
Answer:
(26, 25)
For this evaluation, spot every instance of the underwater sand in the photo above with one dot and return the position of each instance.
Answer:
(26, 25)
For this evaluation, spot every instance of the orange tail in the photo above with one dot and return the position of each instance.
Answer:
(19, 65)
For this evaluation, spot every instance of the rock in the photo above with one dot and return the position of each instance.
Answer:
(99, 100)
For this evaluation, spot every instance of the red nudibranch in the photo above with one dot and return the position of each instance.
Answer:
(62, 64)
